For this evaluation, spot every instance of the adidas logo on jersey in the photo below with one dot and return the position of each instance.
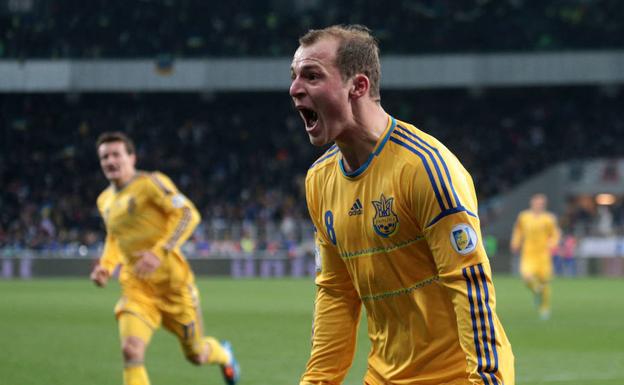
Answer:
(356, 209)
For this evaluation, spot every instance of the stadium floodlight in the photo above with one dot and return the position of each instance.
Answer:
(605, 199)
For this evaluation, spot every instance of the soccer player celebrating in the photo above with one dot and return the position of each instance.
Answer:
(396, 230)
(535, 235)
(147, 219)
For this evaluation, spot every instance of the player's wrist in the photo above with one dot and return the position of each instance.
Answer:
(161, 252)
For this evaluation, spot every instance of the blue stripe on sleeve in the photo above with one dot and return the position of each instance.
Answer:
(448, 175)
(403, 132)
(449, 212)
(474, 327)
(489, 310)
(400, 132)
(484, 333)
(427, 168)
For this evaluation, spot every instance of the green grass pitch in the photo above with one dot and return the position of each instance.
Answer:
(60, 331)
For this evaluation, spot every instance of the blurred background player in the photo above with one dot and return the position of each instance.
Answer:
(395, 230)
(535, 235)
(147, 220)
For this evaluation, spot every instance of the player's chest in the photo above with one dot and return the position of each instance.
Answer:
(122, 210)
(367, 213)
(537, 225)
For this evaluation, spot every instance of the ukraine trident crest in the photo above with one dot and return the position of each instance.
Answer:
(385, 222)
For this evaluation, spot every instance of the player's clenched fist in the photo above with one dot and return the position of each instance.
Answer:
(148, 263)
(100, 275)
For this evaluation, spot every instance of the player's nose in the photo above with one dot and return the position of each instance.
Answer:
(296, 90)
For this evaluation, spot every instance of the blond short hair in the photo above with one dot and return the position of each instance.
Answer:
(116, 136)
(358, 52)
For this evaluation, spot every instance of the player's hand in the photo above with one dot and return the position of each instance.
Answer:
(147, 264)
(100, 275)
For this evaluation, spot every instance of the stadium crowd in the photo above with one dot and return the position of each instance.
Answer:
(584, 217)
(242, 158)
(151, 28)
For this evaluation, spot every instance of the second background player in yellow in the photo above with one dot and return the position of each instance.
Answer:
(534, 236)
(147, 220)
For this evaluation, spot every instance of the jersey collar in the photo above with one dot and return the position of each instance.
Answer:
(376, 151)
(129, 182)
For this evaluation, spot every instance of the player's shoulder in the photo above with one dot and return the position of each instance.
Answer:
(412, 134)
(551, 216)
(422, 149)
(157, 180)
(104, 195)
(324, 163)
(524, 213)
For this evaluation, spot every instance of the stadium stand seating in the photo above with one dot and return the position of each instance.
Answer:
(116, 29)
(242, 157)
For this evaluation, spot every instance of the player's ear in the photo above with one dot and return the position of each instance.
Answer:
(360, 86)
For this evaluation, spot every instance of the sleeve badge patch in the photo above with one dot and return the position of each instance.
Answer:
(463, 238)
(178, 201)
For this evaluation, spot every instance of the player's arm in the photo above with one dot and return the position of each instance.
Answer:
(181, 219)
(516, 236)
(336, 314)
(453, 234)
(182, 216)
(107, 263)
(555, 233)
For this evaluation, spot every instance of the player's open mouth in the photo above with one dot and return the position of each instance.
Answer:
(309, 116)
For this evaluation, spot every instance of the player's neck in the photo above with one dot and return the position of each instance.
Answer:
(124, 181)
(361, 136)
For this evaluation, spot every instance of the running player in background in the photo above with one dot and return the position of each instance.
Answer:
(396, 231)
(534, 236)
(147, 220)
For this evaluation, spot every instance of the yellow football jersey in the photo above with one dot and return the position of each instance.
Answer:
(149, 213)
(537, 234)
(400, 235)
